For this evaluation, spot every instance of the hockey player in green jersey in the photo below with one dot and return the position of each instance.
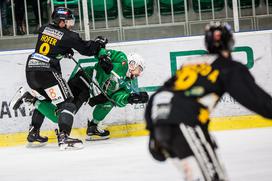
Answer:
(109, 84)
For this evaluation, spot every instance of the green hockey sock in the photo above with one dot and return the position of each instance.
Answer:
(47, 109)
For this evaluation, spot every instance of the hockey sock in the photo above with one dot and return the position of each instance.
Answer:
(47, 109)
(66, 117)
(92, 123)
(37, 119)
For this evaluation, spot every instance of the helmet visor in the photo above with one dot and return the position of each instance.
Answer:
(70, 22)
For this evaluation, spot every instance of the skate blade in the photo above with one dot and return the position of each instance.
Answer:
(96, 138)
(16, 101)
(35, 144)
(76, 146)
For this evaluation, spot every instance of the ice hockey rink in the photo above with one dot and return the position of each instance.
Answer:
(247, 155)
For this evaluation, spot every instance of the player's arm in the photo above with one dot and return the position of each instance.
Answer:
(122, 98)
(153, 145)
(114, 60)
(148, 113)
(240, 84)
(87, 48)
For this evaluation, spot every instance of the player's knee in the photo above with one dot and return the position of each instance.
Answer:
(163, 134)
(172, 140)
(68, 106)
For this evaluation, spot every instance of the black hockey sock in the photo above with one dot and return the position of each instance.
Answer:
(66, 117)
(65, 122)
(91, 123)
(37, 119)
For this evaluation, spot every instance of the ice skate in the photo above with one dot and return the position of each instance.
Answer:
(35, 139)
(20, 97)
(67, 143)
(94, 132)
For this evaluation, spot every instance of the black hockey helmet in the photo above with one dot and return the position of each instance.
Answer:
(62, 13)
(218, 37)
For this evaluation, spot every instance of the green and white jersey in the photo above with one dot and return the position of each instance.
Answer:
(108, 82)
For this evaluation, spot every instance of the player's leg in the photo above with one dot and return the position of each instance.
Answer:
(34, 138)
(190, 153)
(53, 87)
(80, 88)
(175, 146)
(42, 109)
(94, 131)
(189, 168)
(60, 94)
(45, 107)
(65, 122)
(203, 148)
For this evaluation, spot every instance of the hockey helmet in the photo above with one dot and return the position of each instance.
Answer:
(65, 14)
(135, 61)
(218, 37)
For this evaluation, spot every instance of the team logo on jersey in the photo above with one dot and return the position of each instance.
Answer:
(111, 85)
(53, 33)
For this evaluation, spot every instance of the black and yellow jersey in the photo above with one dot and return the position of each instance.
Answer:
(55, 42)
(198, 85)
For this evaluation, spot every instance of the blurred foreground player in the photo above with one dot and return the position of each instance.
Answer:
(177, 114)
(43, 74)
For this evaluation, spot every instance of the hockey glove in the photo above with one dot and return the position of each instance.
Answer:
(137, 98)
(102, 41)
(69, 53)
(155, 149)
(105, 63)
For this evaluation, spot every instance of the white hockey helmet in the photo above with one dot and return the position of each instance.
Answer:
(134, 60)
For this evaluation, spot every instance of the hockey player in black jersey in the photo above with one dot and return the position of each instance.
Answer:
(43, 73)
(177, 115)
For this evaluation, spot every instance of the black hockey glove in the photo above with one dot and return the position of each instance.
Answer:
(155, 149)
(138, 98)
(105, 63)
(69, 53)
(102, 41)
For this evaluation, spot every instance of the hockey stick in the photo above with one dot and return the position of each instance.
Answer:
(101, 90)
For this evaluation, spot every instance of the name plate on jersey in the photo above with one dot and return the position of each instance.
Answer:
(53, 33)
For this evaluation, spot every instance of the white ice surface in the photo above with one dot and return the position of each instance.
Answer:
(247, 156)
